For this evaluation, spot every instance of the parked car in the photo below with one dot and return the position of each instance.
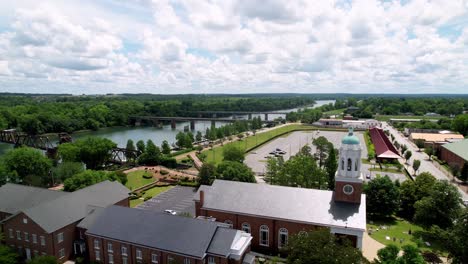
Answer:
(171, 212)
(368, 176)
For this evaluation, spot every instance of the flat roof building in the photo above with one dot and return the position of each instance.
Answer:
(435, 137)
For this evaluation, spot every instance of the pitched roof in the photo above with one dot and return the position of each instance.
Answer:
(289, 203)
(435, 137)
(383, 147)
(222, 241)
(459, 148)
(182, 235)
(68, 209)
(15, 198)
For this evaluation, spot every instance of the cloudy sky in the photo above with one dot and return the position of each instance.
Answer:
(224, 46)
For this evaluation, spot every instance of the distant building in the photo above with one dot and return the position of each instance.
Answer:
(455, 153)
(273, 213)
(123, 235)
(330, 122)
(435, 137)
(384, 149)
(361, 124)
(43, 222)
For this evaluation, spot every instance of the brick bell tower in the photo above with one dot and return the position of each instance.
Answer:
(348, 178)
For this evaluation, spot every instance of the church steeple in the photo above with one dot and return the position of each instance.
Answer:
(348, 178)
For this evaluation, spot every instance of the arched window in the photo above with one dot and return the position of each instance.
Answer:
(355, 165)
(246, 227)
(229, 222)
(264, 234)
(342, 164)
(282, 237)
(349, 164)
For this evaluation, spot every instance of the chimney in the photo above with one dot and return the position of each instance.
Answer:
(202, 198)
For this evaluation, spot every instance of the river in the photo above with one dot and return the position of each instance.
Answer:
(120, 135)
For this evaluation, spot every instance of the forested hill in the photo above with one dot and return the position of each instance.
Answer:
(37, 114)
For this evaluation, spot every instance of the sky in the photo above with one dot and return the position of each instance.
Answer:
(225, 46)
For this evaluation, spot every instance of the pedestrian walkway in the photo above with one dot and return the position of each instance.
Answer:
(370, 247)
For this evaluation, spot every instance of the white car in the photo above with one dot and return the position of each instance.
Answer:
(171, 212)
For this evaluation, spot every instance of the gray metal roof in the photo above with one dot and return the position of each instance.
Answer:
(75, 206)
(94, 213)
(289, 203)
(222, 241)
(182, 235)
(15, 198)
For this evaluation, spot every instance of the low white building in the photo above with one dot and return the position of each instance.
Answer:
(361, 124)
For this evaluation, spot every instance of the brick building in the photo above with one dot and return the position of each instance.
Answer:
(44, 222)
(273, 213)
(129, 236)
(455, 154)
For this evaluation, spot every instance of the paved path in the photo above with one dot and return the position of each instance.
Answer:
(370, 247)
(426, 165)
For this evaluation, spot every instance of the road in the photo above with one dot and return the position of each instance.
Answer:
(426, 165)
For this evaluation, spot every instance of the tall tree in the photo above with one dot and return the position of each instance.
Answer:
(166, 149)
(141, 146)
(30, 165)
(331, 165)
(413, 191)
(131, 148)
(95, 151)
(321, 247)
(235, 171)
(383, 197)
(272, 170)
(69, 152)
(390, 255)
(233, 153)
(322, 147)
(90, 177)
(66, 170)
(408, 155)
(457, 239)
(416, 165)
(199, 136)
(152, 155)
(7, 255)
(207, 174)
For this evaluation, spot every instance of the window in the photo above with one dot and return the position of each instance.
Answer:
(43, 253)
(36, 253)
(61, 253)
(211, 260)
(124, 260)
(282, 237)
(138, 254)
(25, 220)
(34, 238)
(154, 258)
(110, 249)
(10, 231)
(348, 189)
(60, 237)
(187, 261)
(18, 235)
(96, 244)
(170, 259)
(349, 164)
(26, 236)
(111, 258)
(342, 164)
(229, 222)
(246, 227)
(124, 251)
(97, 255)
(264, 235)
(355, 165)
(42, 241)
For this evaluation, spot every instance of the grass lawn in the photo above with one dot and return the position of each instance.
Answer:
(388, 117)
(155, 191)
(135, 179)
(386, 170)
(399, 229)
(335, 112)
(216, 154)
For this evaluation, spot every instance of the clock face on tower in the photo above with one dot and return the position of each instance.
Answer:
(348, 189)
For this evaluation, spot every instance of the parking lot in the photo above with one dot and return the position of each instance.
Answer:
(293, 142)
(179, 199)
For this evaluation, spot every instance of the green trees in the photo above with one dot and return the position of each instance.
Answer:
(416, 165)
(389, 255)
(207, 174)
(66, 170)
(456, 243)
(130, 147)
(383, 197)
(233, 153)
(460, 124)
(464, 172)
(184, 140)
(408, 155)
(198, 136)
(411, 192)
(322, 146)
(331, 165)
(234, 171)
(321, 247)
(273, 168)
(7, 255)
(441, 207)
(90, 177)
(29, 165)
(92, 151)
(44, 260)
(166, 149)
(141, 146)
(151, 156)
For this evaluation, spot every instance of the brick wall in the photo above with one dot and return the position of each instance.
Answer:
(355, 197)
(450, 157)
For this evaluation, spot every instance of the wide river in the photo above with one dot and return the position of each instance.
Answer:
(120, 135)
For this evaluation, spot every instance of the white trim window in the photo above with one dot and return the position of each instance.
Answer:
(211, 260)
(26, 236)
(154, 258)
(42, 240)
(96, 244)
(18, 235)
(124, 260)
(34, 238)
(110, 249)
(60, 237)
(264, 235)
(10, 232)
(25, 220)
(97, 255)
(123, 249)
(170, 259)
(187, 261)
(110, 258)
(61, 253)
(138, 254)
(246, 227)
(282, 237)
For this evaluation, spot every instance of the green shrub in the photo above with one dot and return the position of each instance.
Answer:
(147, 175)
(164, 172)
(146, 198)
(169, 162)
